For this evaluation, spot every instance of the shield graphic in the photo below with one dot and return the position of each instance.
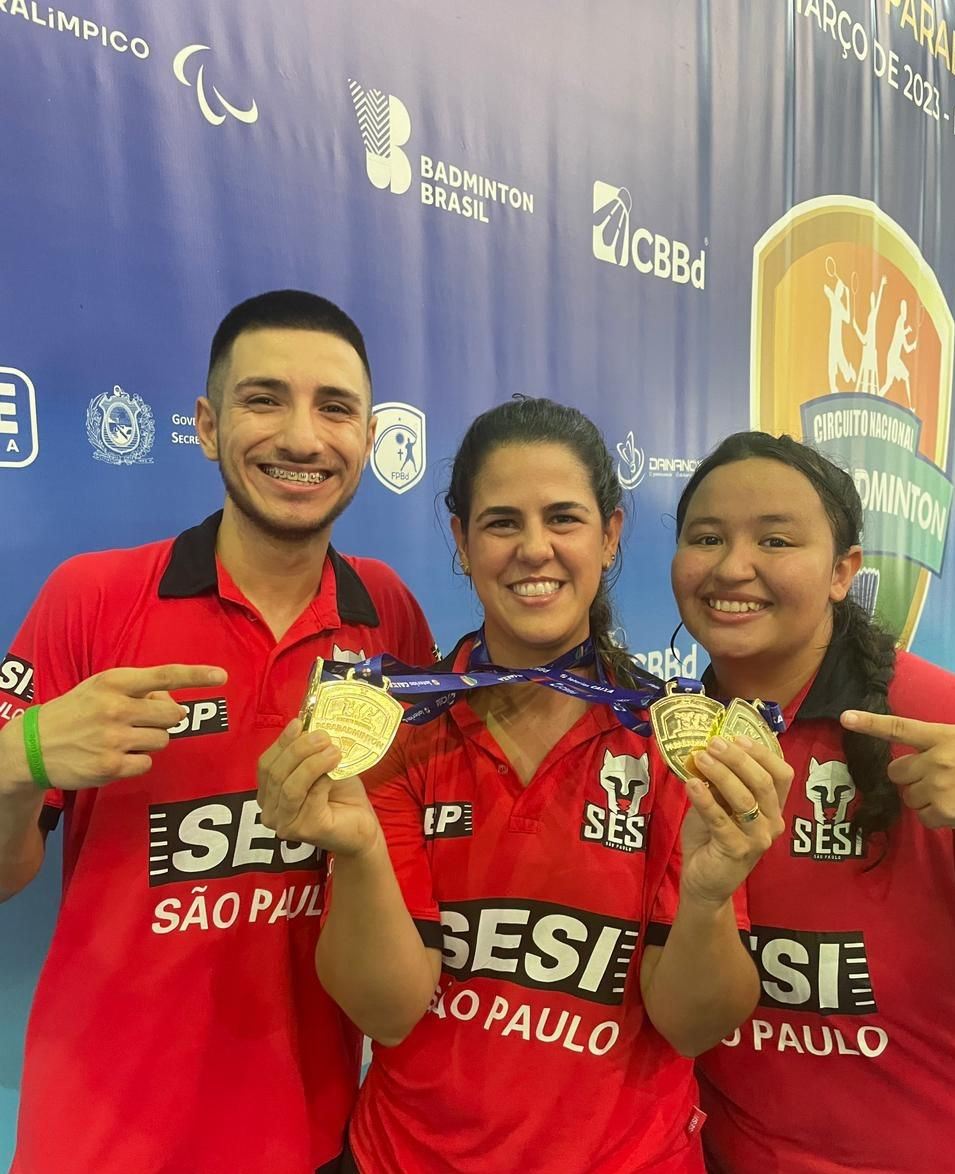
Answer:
(399, 457)
(851, 351)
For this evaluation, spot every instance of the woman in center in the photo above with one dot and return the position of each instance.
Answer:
(509, 919)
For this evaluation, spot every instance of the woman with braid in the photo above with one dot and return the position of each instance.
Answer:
(520, 915)
(847, 1062)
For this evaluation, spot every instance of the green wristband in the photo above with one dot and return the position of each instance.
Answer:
(31, 742)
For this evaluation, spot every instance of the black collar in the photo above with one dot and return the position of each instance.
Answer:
(192, 571)
(839, 684)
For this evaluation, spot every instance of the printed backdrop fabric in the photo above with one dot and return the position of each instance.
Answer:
(685, 217)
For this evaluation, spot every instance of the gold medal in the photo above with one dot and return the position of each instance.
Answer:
(685, 722)
(360, 719)
(682, 723)
(742, 717)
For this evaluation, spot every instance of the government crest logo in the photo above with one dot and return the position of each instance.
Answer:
(851, 350)
(399, 457)
(120, 428)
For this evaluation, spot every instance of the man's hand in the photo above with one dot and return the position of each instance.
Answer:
(108, 726)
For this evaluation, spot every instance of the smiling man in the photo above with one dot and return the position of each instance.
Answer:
(178, 1025)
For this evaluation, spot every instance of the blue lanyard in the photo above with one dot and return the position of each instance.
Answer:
(443, 686)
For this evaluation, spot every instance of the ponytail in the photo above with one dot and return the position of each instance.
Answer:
(872, 654)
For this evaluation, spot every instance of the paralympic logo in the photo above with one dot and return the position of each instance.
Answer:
(211, 115)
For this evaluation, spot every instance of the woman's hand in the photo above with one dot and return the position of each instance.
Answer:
(720, 844)
(301, 803)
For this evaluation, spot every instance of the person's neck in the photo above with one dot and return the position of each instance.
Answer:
(519, 656)
(767, 679)
(519, 702)
(278, 576)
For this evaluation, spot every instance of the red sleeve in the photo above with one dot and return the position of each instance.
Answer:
(49, 655)
(669, 810)
(396, 789)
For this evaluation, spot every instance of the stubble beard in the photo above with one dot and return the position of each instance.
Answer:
(293, 532)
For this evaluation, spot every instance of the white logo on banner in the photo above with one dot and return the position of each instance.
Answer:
(630, 467)
(385, 126)
(634, 464)
(83, 29)
(19, 441)
(215, 117)
(120, 428)
(399, 457)
(650, 252)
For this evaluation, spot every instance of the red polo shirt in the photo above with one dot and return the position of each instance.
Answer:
(178, 1025)
(847, 1062)
(536, 1054)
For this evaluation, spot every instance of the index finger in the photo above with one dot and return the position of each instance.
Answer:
(163, 678)
(890, 727)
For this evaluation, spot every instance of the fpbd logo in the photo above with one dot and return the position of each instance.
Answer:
(399, 456)
(852, 347)
(120, 427)
(19, 440)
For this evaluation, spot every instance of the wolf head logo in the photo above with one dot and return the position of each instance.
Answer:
(830, 790)
(626, 780)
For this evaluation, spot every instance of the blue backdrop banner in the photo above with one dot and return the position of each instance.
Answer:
(685, 217)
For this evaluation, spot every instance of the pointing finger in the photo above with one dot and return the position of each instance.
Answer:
(890, 727)
(140, 682)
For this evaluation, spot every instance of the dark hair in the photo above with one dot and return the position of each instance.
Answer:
(871, 650)
(523, 420)
(280, 309)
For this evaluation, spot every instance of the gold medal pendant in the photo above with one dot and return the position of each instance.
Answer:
(682, 723)
(360, 719)
(685, 722)
(742, 717)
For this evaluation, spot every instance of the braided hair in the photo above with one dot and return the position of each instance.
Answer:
(525, 420)
(870, 650)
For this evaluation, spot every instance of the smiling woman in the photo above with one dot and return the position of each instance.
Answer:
(852, 906)
(519, 853)
(755, 574)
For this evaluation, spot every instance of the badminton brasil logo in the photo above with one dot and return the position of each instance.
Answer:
(851, 349)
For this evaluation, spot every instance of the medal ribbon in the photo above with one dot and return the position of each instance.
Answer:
(445, 686)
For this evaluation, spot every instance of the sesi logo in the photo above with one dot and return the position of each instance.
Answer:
(826, 973)
(16, 677)
(539, 945)
(218, 836)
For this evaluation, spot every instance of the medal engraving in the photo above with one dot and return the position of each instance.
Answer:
(360, 719)
(682, 723)
(744, 718)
